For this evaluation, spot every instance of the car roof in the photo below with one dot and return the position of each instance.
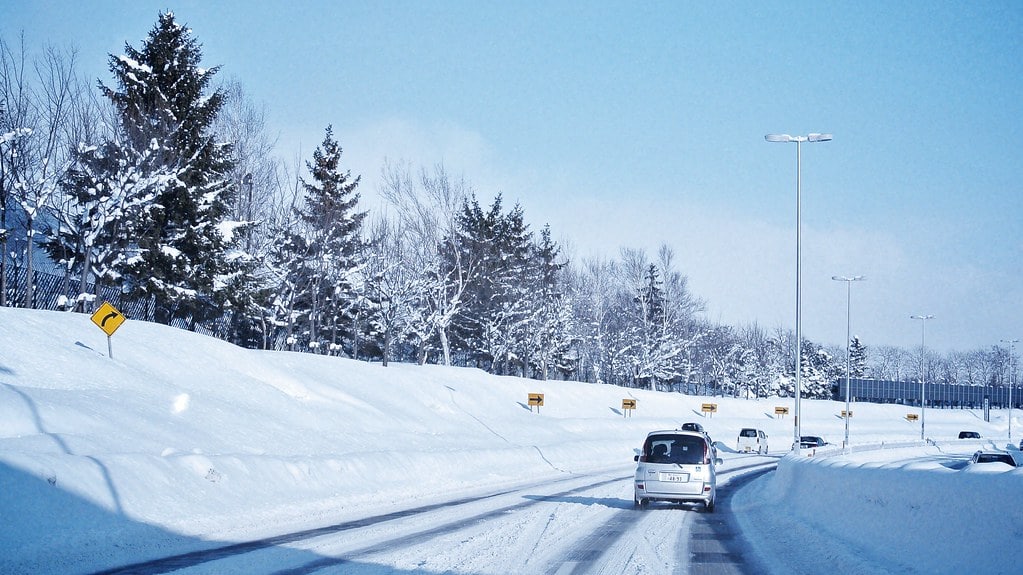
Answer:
(998, 455)
(676, 432)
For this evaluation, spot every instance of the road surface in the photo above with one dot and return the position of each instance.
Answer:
(580, 523)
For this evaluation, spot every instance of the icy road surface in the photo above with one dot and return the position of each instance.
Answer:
(584, 523)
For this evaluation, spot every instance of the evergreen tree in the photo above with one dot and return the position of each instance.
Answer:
(489, 326)
(651, 297)
(330, 298)
(548, 329)
(857, 358)
(182, 248)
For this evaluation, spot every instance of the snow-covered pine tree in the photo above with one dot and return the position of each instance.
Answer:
(182, 249)
(548, 328)
(857, 357)
(488, 329)
(329, 301)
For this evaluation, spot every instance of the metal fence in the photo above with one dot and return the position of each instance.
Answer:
(946, 395)
(57, 292)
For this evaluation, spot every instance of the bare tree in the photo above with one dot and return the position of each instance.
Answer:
(38, 154)
(16, 119)
(256, 170)
(425, 208)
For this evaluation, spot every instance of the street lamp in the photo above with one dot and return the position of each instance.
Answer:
(785, 138)
(923, 377)
(848, 336)
(1012, 353)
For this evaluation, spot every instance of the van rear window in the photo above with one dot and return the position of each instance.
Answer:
(684, 449)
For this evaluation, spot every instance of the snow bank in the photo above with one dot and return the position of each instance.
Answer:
(182, 442)
(917, 509)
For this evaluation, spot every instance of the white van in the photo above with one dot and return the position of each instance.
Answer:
(751, 440)
(678, 466)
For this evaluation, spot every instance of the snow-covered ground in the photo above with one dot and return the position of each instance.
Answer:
(182, 441)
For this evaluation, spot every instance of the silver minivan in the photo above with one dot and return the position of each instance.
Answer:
(678, 466)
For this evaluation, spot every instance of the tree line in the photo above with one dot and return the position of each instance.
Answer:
(163, 184)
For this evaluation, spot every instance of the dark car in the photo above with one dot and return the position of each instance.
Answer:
(969, 435)
(693, 427)
(811, 441)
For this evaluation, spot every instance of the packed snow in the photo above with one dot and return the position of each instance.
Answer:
(180, 442)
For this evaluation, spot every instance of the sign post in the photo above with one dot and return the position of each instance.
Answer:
(627, 406)
(710, 408)
(108, 319)
(537, 400)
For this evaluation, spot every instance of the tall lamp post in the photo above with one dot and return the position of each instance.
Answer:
(1012, 372)
(785, 138)
(848, 336)
(923, 377)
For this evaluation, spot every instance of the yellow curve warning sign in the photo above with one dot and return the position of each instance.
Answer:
(107, 318)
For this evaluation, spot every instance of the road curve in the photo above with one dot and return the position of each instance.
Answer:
(581, 523)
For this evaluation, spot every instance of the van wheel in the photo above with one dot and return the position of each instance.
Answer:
(709, 506)
(639, 503)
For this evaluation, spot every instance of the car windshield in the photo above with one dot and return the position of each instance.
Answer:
(995, 458)
(684, 449)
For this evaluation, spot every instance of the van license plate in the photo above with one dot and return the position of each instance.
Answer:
(675, 477)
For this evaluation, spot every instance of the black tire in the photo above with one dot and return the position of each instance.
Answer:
(709, 506)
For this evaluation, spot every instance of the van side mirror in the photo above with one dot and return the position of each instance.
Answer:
(635, 458)
(718, 461)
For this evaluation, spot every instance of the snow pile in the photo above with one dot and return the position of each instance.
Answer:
(912, 510)
(182, 442)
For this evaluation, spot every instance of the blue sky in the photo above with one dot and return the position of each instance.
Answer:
(636, 124)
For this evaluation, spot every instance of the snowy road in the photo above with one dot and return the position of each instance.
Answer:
(584, 523)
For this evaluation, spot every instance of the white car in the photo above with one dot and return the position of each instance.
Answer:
(751, 440)
(677, 466)
(993, 457)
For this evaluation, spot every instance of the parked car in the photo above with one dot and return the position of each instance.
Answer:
(751, 440)
(969, 435)
(993, 457)
(811, 441)
(678, 466)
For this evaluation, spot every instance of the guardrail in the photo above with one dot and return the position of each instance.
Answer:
(837, 450)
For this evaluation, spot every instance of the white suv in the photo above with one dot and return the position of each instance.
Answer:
(677, 466)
